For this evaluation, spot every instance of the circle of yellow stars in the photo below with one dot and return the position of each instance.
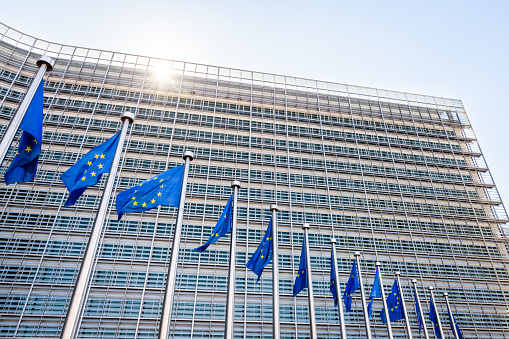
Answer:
(89, 163)
(153, 201)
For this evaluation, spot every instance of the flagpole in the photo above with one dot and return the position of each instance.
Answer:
(45, 64)
(363, 296)
(436, 312)
(275, 275)
(230, 297)
(338, 292)
(421, 313)
(451, 318)
(386, 310)
(77, 299)
(311, 299)
(164, 325)
(407, 321)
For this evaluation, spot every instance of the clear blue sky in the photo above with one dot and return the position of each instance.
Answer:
(454, 49)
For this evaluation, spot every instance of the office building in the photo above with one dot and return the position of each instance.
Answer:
(397, 176)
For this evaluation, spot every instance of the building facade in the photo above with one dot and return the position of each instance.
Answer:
(397, 176)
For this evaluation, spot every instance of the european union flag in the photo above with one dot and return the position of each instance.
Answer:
(333, 281)
(434, 318)
(453, 321)
(222, 227)
(419, 320)
(163, 189)
(88, 170)
(352, 285)
(394, 305)
(263, 253)
(376, 292)
(301, 281)
(24, 165)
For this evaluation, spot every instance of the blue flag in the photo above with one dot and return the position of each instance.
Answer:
(88, 170)
(301, 281)
(352, 285)
(434, 318)
(163, 189)
(394, 305)
(453, 322)
(376, 292)
(263, 253)
(24, 165)
(222, 227)
(419, 320)
(333, 281)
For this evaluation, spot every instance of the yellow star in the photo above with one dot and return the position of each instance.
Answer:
(28, 149)
(154, 178)
(144, 204)
(35, 141)
(217, 235)
(89, 163)
(298, 275)
(100, 165)
(161, 186)
(102, 156)
(158, 194)
(86, 171)
(135, 203)
(96, 156)
(152, 201)
(161, 180)
(133, 198)
(262, 256)
(268, 238)
(93, 174)
(135, 191)
(83, 179)
(302, 271)
(392, 309)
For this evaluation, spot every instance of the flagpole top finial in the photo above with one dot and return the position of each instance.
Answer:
(431, 288)
(127, 115)
(305, 226)
(188, 154)
(414, 281)
(397, 273)
(46, 60)
(378, 264)
(357, 253)
(446, 294)
(274, 207)
(235, 183)
(332, 240)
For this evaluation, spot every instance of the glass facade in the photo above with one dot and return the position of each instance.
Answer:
(395, 175)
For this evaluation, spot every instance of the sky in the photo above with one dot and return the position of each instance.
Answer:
(452, 49)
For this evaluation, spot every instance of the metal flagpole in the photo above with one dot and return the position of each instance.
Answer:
(311, 299)
(44, 63)
(386, 311)
(363, 296)
(275, 275)
(164, 326)
(338, 292)
(421, 313)
(456, 335)
(407, 321)
(230, 297)
(73, 312)
(436, 312)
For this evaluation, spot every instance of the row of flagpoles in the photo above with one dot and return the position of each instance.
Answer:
(169, 189)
